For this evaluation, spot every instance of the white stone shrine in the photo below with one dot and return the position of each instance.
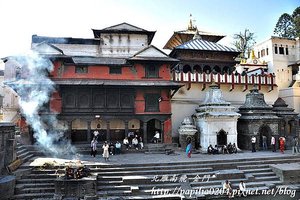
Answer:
(216, 120)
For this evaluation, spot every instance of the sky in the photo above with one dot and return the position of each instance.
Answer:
(20, 19)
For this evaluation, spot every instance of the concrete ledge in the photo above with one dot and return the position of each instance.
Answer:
(288, 172)
(7, 186)
(229, 174)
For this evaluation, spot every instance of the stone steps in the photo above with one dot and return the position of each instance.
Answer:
(133, 181)
(34, 196)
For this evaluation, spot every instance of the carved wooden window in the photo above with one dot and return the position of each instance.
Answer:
(152, 102)
(152, 71)
(115, 70)
(99, 99)
(127, 99)
(69, 101)
(112, 98)
(81, 69)
(83, 100)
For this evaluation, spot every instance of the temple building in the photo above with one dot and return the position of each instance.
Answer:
(116, 83)
(203, 61)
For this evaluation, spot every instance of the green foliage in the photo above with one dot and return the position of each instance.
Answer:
(244, 42)
(288, 25)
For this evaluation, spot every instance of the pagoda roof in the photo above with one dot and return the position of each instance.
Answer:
(204, 45)
(180, 37)
(124, 28)
(110, 82)
(86, 60)
(152, 53)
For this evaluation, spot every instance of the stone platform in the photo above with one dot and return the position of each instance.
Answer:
(287, 172)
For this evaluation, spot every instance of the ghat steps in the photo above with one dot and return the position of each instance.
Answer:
(143, 181)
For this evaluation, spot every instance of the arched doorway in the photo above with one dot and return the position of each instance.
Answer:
(101, 126)
(79, 130)
(152, 126)
(117, 130)
(264, 130)
(186, 69)
(222, 137)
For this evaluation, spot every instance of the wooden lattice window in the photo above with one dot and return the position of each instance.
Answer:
(152, 102)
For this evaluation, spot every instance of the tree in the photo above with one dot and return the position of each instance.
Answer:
(288, 25)
(244, 42)
(296, 18)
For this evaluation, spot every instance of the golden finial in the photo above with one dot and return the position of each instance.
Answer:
(190, 25)
(252, 54)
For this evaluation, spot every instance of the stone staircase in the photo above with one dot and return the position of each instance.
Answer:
(158, 180)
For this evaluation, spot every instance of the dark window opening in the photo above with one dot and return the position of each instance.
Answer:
(186, 69)
(207, 69)
(276, 49)
(152, 102)
(286, 50)
(115, 70)
(151, 71)
(267, 51)
(258, 54)
(81, 69)
(281, 50)
(197, 68)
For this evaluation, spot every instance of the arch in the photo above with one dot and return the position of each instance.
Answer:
(197, 68)
(207, 69)
(134, 124)
(217, 69)
(186, 69)
(222, 137)
(117, 129)
(152, 126)
(225, 70)
(79, 130)
(264, 130)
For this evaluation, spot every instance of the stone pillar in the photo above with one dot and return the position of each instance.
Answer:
(162, 131)
(126, 128)
(145, 132)
(68, 134)
(107, 130)
(88, 131)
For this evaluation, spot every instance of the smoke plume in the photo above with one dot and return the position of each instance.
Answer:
(34, 89)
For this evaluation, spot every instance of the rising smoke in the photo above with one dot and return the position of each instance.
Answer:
(34, 89)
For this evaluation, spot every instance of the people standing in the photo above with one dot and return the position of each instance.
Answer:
(273, 144)
(253, 143)
(281, 144)
(105, 148)
(141, 143)
(188, 149)
(295, 144)
(94, 147)
(118, 147)
(264, 142)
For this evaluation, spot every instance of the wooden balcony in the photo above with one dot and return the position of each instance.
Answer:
(232, 79)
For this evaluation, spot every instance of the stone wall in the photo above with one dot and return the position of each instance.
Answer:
(7, 146)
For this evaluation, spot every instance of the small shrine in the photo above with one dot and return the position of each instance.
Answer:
(257, 119)
(187, 133)
(216, 120)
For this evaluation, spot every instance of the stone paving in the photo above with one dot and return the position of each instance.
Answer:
(178, 156)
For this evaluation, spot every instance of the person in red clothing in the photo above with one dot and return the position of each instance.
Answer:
(281, 144)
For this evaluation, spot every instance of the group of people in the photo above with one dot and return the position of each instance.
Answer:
(241, 190)
(281, 140)
(112, 149)
(222, 149)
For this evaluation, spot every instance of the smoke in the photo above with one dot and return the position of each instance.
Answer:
(34, 89)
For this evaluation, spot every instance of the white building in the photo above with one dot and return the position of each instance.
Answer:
(282, 56)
